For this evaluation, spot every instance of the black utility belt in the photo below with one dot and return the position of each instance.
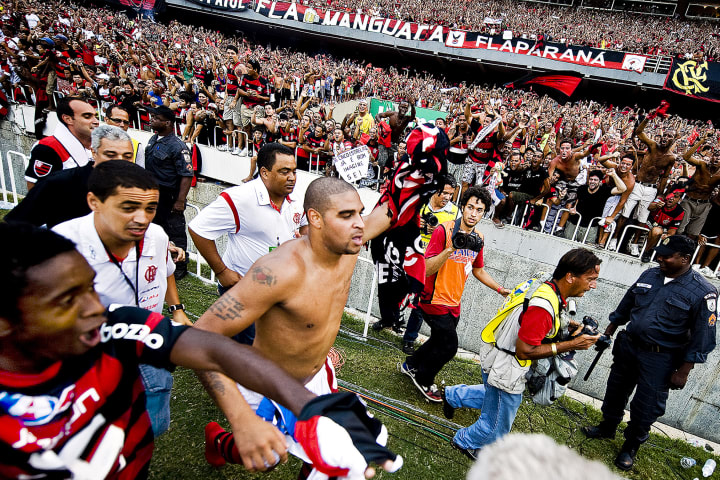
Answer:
(651, 347)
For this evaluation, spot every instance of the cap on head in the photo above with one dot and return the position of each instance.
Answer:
(60, 38)
(163, 111)
(676, 243)
(48, 40)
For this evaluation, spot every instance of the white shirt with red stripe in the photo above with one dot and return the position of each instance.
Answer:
(155, 264)
(252, 222)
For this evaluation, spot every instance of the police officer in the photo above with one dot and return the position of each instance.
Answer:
(670, 314)
(168, 159)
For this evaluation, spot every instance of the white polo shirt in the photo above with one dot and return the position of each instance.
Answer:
(155, 264)
(253, 223)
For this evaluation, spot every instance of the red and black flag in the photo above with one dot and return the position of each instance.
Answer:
(555, 84)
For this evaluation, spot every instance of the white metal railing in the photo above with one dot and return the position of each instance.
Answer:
(194, 254)
(632, 227)
(11, 176)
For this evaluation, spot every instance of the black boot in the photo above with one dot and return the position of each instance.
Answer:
(600, 431)
(626, 458)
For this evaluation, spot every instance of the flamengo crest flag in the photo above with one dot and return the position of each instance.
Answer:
(695, 79)
(564, 83)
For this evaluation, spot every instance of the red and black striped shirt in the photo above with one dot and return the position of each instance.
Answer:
(87, 414)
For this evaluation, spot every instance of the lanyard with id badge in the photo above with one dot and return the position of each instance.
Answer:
(271, 248)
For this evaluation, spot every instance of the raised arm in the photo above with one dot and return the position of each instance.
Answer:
(640, 132)
(688, 156)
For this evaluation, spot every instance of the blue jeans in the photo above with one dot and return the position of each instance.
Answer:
(158, 383)
(498, 410)
(247, 336)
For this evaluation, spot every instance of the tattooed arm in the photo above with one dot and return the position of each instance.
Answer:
(248, 301)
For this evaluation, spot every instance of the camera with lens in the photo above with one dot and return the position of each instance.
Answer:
(430, 221)
(590, 327)
(468, 241)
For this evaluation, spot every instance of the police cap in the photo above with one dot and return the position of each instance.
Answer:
(676, 243)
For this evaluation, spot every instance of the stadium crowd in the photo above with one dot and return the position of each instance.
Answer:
(632, 32)
(238, 96)
(581, 170)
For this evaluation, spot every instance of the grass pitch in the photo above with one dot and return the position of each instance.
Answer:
(418, 431)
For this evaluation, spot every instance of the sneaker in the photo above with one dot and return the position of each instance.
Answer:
(707, 272)
(399, 328)
(379, 325)
(235, 151)
(243, 152)
(222, 148)
(498, 223)
(559, 231)
(634, 249)
(407, 370)
(613, 245)
(448, 410)
(696, 267)
(408, 348)
(431, 393)
(471, 453)
(645, 257)
(212, 455)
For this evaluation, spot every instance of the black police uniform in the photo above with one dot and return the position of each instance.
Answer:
(669, 324)
(168, 159)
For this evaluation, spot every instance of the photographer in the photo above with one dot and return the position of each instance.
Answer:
(438, 210)
(454, 246)
(509, 345)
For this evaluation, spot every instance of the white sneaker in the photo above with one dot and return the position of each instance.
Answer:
(243, 152)
(707, 272)
(222, 148)
(613, 245)
(696, 267)
(634, 249)
(235, 151)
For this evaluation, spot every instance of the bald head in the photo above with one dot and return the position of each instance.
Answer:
(317, 196)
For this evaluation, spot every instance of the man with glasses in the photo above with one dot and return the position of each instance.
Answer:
(119, 116)
(443, 209)
(168, 159)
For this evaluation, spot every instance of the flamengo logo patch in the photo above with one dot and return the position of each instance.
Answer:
(41, 168)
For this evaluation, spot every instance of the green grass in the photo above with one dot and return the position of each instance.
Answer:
(372, 366)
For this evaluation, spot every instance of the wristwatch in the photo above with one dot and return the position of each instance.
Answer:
(179, 306)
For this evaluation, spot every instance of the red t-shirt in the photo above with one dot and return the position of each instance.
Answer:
(536, 323)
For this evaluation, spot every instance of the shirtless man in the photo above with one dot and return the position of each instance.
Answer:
(398, 120)
(697, 198)
(622, 164)
(567, 162)
(295, 295)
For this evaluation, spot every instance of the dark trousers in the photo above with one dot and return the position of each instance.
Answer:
(646, 372)
(172, 222)
(440, 348)
(389, 297)
(247, 336)
(413, 326)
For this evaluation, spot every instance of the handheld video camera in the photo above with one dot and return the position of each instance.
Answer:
(468, 241)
